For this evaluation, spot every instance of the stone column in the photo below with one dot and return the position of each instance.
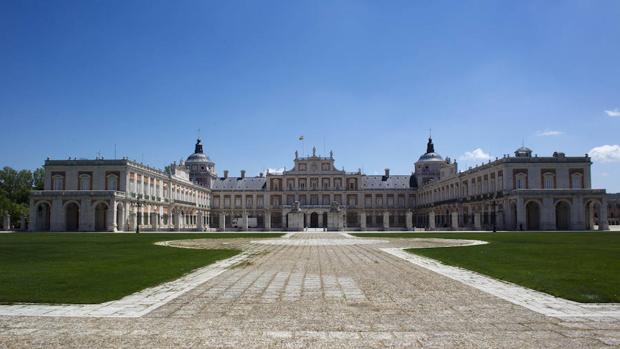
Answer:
(267, 221)
(86, 216)
(577, 214)
(200, 222)
(603, 223)
(409, 220)
(110, 216)
(431, 220)
(57, 215)
(362, 220)
(177, 221)
(477, 223)
(499, 218)
(547, 214)
(222, 221)
(33, 216)
(520, 215)
(455, 220)
(245, 222)
(386, 220)
(155, 221)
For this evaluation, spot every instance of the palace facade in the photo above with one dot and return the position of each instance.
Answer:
(520, 192)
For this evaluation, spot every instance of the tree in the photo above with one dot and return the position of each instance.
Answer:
(15, 188)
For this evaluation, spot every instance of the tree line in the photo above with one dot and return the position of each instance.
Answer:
(15, 188)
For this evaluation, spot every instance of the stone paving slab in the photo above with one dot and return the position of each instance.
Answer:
(321, 296)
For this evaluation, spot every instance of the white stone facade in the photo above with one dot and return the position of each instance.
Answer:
(521, 192)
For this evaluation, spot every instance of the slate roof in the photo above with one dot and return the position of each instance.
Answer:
(382, 182)
(238, 183)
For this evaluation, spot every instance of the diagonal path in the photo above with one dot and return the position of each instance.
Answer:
(322, 293)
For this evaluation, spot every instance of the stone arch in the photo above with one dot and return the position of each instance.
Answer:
(43, 216)
(101, 215)
(72, 216)
(532, 215)
(562, 215)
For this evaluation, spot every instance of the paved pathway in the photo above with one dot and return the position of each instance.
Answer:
(321, 294)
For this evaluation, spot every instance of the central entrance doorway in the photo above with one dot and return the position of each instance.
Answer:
(314, 220)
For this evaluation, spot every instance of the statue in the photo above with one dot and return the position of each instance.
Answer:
(296, 207)
(331, 154)
(335, 207)
(313, 151)
(296, 154)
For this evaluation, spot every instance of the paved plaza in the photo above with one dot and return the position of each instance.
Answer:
(314, 290)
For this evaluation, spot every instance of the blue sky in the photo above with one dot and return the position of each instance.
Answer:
(366, 78)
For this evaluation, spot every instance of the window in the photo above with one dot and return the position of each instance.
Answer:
(84, 182)
(112, 182)
(58, 183)
(548, 179)
(314, 199)
(521, 181)
(576, 181)
(325, 199)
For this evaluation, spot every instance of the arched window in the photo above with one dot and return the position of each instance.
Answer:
(112, 182)
(58, 182)
(548, 181)
(576, 181)
(84, 182)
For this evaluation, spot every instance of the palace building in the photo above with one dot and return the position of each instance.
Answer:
(520, 192)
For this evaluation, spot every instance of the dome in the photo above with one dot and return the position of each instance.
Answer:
(430, 154)
(199, 156)
(431, 157)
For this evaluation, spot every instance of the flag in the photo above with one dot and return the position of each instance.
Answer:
(301, 138)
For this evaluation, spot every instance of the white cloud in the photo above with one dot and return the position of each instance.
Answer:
(548, 133)
(275, 170)
(613, 113)
(475, 155)
(605, 153)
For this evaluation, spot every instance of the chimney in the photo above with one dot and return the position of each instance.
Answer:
(225, 174)
(387, 172)
(242, 173)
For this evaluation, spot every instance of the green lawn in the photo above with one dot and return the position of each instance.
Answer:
(580, 266)
(94, 268)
